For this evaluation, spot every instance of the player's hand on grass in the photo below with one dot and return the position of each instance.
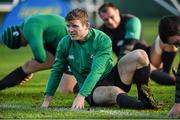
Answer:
(175, 110)
(46, 102)
(78, 102)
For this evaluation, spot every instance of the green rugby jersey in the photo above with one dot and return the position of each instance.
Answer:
(90, 61)
(43, 29)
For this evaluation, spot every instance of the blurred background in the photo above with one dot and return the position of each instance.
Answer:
(13, 12)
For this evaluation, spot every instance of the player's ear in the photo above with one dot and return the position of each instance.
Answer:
(88, 25)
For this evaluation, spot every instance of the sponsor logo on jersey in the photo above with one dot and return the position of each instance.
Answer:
(92, 56)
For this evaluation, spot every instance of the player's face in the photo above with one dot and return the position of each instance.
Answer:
(23, 41)
(175, 40)
(111, 18)
(22, 38)
(77, 30)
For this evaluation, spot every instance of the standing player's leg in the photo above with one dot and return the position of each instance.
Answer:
(68, 81)
(21, 73)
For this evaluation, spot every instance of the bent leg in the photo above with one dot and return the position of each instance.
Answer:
(21, 74)
(167, 59)
(130, 63)
(135, 65)
(12, 79)
(108, 95)
(68, 84)
(68, 81)
(33, 66)
(162, 78)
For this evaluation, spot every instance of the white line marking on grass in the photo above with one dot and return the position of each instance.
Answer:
(135, 114)
(120, 113)
(22, 107)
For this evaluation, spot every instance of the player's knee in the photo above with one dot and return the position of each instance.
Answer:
(114, 91)
(33, 66)
(142, 57)
(26, 67)
(65, 90)
(67, 84)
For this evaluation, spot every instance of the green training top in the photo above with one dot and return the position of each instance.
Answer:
(90, 61)
(43, 29)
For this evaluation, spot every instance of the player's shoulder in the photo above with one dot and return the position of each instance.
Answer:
(65, 39)
(98, 33)
(100, 38)
(129, 16)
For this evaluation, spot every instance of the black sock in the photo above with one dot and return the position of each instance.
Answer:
(167, 59)
(13, 79)
(177, 98)
(125, 101)
(76, 88)
(141, 75)
(162, 78)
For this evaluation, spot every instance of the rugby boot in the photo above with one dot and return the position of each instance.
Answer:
(146, 96)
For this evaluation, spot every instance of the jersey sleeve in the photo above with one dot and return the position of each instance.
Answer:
(34, 36)
(133, 29)
(59, 67)
(101, 61)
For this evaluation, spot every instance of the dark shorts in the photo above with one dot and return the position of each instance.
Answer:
(112, 79)
(50, 49)
(53, 51)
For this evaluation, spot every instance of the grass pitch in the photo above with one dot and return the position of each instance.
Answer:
(24, 101)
